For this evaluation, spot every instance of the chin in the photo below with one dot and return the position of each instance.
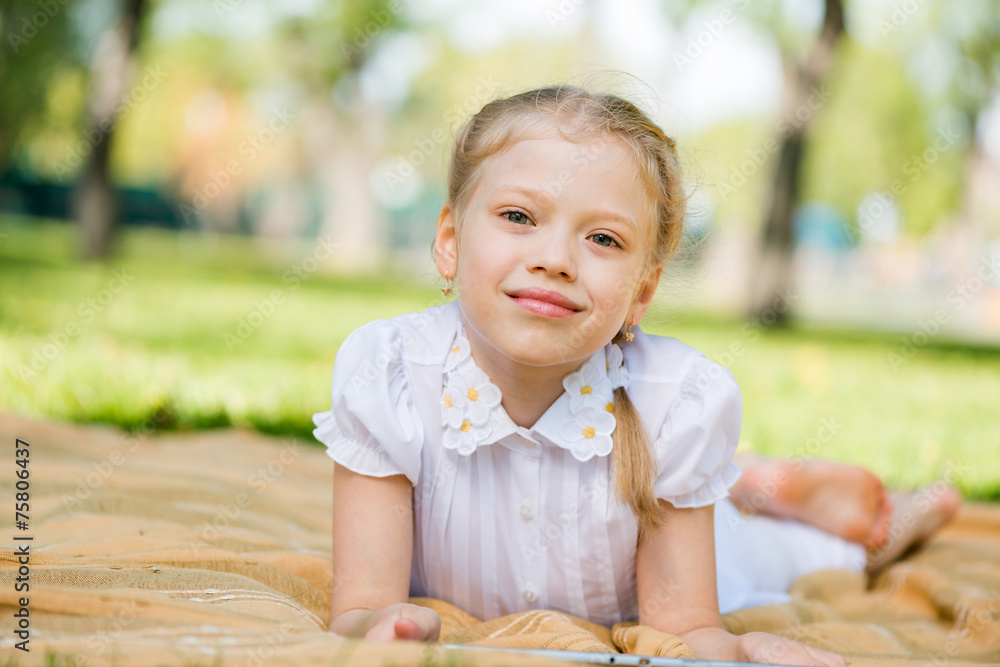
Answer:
(546, 350)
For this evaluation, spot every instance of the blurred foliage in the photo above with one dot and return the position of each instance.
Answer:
(44, 55)
(868, 144)
(884, 109)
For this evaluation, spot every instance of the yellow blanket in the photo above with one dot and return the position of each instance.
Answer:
(213, 549)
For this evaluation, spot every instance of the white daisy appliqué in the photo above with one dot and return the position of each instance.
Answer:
(592, 403)
(467, 402)
(581, 422)
(615, 365)
(589, 382)
(589, 434)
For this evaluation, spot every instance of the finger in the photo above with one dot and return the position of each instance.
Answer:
(408, 628)
(789, 652)
(807, 657)
(382, 631)
(826, 658)
(418, 623)
(427, 624)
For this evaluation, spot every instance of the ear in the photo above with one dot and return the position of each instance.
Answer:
(446, 244)
(644, 295)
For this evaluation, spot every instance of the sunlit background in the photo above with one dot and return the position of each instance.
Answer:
(201, 198)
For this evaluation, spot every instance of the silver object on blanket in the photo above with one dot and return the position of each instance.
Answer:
(607, 658)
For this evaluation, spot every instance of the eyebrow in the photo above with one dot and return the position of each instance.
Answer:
(545, 198)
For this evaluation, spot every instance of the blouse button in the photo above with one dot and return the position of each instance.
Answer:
(526, 512)
(530, 595)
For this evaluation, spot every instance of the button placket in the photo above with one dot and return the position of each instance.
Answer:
(527, 473)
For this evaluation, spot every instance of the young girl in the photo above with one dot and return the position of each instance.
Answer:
(528, 446)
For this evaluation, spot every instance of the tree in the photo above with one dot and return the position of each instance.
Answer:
(806, 60)
(44, 39)
(966, 34)
(327, 52)
(37, 44)
(802, 78)
(113, 64)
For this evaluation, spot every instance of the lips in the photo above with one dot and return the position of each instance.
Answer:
(545, 302)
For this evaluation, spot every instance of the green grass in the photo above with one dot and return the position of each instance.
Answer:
(161, 355)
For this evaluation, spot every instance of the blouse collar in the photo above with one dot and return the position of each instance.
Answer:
(581, 420)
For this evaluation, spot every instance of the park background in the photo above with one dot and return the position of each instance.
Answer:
(200, 199)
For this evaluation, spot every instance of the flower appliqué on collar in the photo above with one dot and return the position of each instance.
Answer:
(472, 415)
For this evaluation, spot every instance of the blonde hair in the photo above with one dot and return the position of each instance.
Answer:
(502, 123)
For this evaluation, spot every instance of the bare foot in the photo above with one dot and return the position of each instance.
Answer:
(845, 500)
(915, 516)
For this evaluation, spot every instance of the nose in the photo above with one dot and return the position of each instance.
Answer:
(553, 253)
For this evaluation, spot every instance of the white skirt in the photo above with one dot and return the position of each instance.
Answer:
(758, 557)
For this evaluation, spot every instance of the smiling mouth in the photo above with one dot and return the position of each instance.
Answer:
(545, 302)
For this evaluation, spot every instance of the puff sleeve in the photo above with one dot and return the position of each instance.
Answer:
(699, 437)
(373, 426)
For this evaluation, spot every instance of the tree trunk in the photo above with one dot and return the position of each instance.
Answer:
(94, 205)
(342, 151)
(769, 297)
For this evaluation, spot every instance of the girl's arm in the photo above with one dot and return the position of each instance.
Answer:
(372, 550)
(675, 571)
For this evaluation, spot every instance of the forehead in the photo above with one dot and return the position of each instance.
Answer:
(595, 168)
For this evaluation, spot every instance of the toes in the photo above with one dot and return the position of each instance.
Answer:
(950, 501)
(880, 526)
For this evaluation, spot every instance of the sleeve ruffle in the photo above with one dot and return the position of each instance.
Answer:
(372, 427)
(699, 437)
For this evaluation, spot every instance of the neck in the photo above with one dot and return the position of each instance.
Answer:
(528, 391)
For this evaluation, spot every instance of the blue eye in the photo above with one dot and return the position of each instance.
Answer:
(603, 240)
(516, 217)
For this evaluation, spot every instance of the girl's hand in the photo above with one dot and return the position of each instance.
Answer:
(404, 621)
(763, 647)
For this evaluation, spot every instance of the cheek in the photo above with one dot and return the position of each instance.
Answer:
(619, 288)
(485, 256)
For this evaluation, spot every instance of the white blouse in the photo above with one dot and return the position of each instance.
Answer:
(506, 518)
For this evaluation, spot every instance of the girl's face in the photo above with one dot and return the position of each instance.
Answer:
(550, 255)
